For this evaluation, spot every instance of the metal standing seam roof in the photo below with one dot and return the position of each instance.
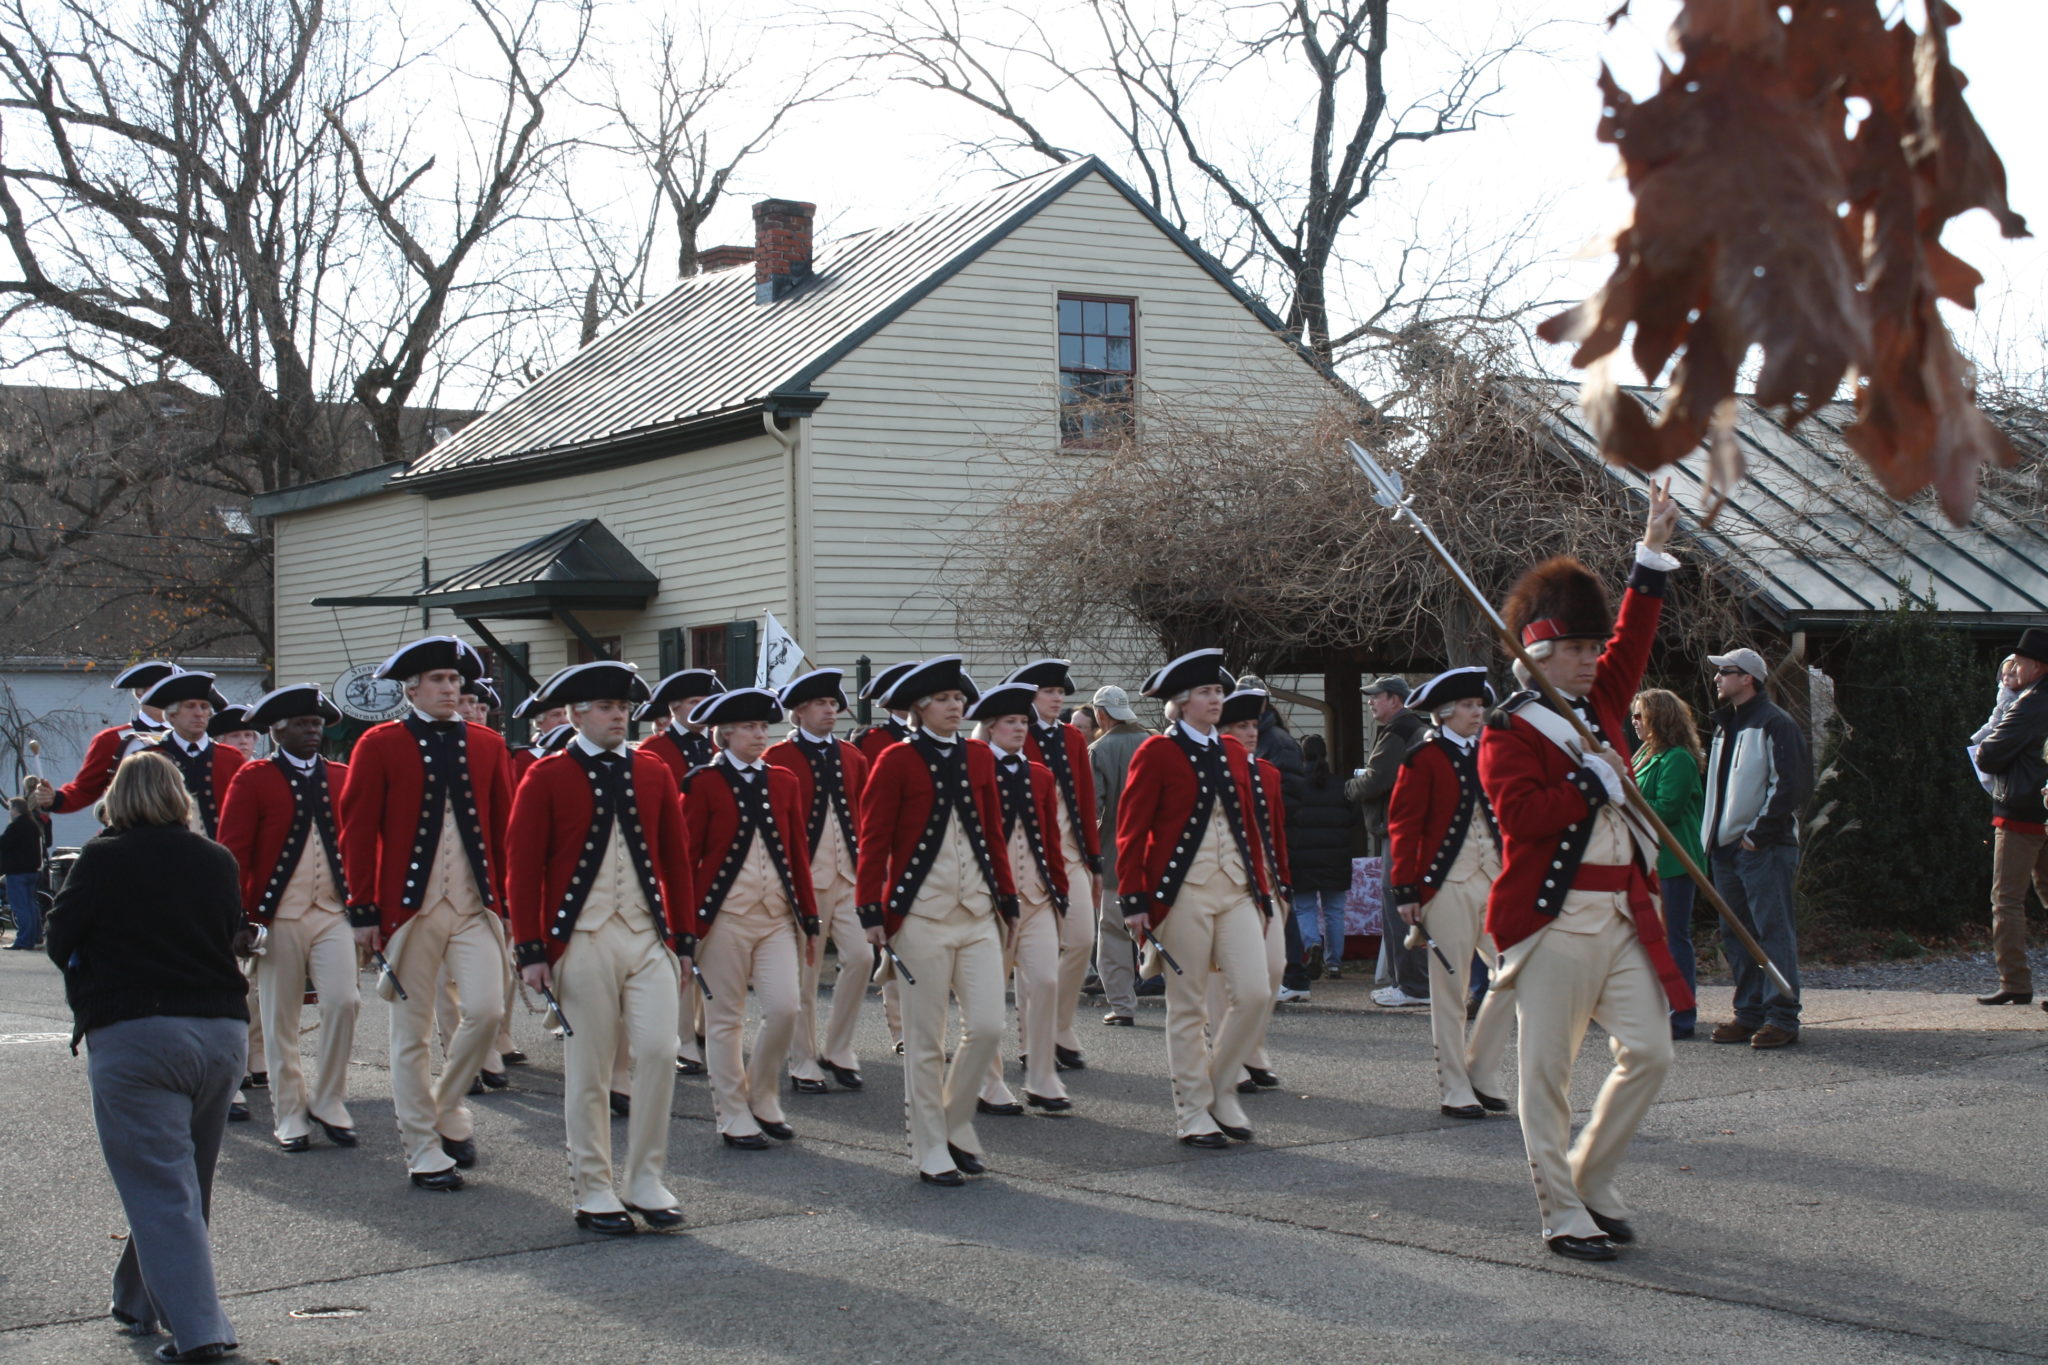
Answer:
(1821, 543)
(707, 347)
(581, 560)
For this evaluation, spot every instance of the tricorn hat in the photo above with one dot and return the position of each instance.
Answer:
(430, 653)
(928, 678)
(1559, 599)
(1453, 684)
(1196, 668)
(228, 719)
(737, 706)
(1244, 704)
(146, 674)
(555, 740)
(600, 680)
(285, 703)
(680, 685)
(822, 682)
(481, 689)
(879, 685)
(1006, 699)
(180, 686)
(1045, 673)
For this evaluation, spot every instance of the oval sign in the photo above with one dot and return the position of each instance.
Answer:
(360, 693)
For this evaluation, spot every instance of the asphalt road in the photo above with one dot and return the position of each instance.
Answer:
(1874, 1194)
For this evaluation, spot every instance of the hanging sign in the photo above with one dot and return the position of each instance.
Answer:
(361, 694)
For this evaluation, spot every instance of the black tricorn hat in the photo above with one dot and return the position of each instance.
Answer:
(2033, 645)
(181, 686)
(1006, 699)
(481, 689)
(555, 740)
(1453, 684)
(286, 703)
(601, 680)
(1045, 673)
(1196, 668)
(430, 653)
(928, 678)
(680, 685)
(879, 685)
(736, 706)
(146, 674)
(1559, 599)
(228, 719)
(1243, 705)
(823, 682)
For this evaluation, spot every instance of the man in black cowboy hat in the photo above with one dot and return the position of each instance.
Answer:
(2013, 754)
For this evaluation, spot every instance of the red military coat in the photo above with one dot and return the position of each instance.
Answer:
(1158, 801)
(853, 769)
(896, 809)
(256, 823)
(523, 759)
(1045, 802)
(876, 738)
(662, 744)
(1280, 874)
(552, 813)
(96, 773)
(380, 816)
(1420, 813)
(712, 813)
(1087, 821)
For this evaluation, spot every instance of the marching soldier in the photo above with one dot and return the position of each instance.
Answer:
(1446, 853)
(186, 701)
(935, 892)
(1573, 910)
(230, 726)
(1191, 871)
(1240, 724)
(600, 884)
(1029, 796)
(830, 774)
(895, 726)
(545, 724)
(1063, 750)
(684, 746)
(107, 748)
(279, 821)
(423, 817)
(757, 918)
(478, 700)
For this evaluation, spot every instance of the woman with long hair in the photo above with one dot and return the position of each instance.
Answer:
(146, 930)
(1319, 846)
(1667, 769)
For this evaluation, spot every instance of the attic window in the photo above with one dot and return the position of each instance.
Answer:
(1098, 368)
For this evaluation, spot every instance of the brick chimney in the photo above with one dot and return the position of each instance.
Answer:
(724, 257)
(782, 247)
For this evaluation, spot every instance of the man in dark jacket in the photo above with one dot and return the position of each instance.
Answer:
(21, 863)
(1399, 731)
(2012, 754)
(1758, 776)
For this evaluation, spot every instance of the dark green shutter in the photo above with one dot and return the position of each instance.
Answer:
(742, 650)
(672, 642)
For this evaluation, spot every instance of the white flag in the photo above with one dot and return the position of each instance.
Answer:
(781, 655)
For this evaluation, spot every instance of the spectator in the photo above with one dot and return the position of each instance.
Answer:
(1084, 719)
(146, 929)
(1758, 776)
(21, 863)
(2011, 753)
(1667, 769)
(2008, 688)
(1116, 957)
(1319, 849)
(1368, 790)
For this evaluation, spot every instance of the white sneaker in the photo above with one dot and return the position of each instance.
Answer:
(1394, 998)
(1289, 996)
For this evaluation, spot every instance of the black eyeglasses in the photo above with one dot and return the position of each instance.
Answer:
(1731, 672)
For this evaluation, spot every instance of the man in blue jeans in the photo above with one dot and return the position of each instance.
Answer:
(21, 863)
(1758, 776)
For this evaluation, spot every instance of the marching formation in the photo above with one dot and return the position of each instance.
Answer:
(958, 854)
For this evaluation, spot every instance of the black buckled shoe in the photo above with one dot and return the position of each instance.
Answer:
(256, 1080)
(513, 1058)
(1068, 1059)
(1247, 1086)
(495, 1080)
(1582, 1248)
(689, 1066)
(463, 1153)
(658, 1218)
(780, 1131)
(1051, 1104)
(1115, 1020)
(1002, 1111)
(340, 1137)
(1462, 1111)
(610, 1224)
(622, 1105)
(1492, 1104)
(444, 1182)
(301, 1143)
(476, 1085)
(1617, 1229)
(1262, 1078)
(1232, 1131)
(968, 1162)
(947, 1179)
(848, 1078)
(746, 1142)
(1206, 1141)
(803, 1085)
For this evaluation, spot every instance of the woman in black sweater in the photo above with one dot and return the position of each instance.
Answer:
(145, 929)
(1319, 831)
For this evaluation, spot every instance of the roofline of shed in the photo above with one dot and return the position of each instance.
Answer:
(337, 488)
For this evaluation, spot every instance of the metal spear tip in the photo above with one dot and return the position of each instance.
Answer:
(1386, 484)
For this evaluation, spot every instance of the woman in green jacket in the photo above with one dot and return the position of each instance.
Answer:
(1667, 768)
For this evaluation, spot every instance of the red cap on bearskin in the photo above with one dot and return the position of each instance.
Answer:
(1559, 599)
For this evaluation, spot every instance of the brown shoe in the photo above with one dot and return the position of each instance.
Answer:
(1734, 1031)
(1770, 1035)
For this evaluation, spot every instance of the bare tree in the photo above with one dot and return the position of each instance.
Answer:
(1150, 77)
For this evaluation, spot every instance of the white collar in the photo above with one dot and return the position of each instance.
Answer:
(198, 746)
(815, 739)
(595, 749)
(1462, 741)
(1005, 755)
(945, 743)
(430, 720)
(757, 766)
(304, 765)
(1196, 735)
(1052, 724)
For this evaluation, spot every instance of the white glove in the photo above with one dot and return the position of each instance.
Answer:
(1609, 778)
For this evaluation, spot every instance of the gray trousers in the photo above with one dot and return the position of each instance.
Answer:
(160, 1092)
(1116, 956)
